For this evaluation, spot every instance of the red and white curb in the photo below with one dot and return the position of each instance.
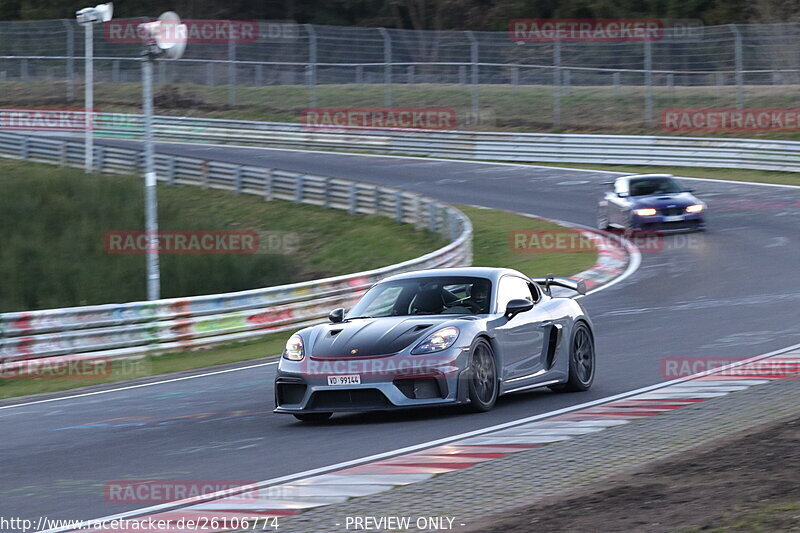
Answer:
(418, 463)
(617, 257)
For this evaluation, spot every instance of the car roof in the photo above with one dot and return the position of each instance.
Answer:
(637, 176)
(490, 273)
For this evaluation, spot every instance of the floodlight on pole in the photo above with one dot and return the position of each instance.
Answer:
(164, 38)
(88, 17)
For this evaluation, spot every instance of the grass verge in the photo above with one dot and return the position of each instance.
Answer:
(55, 221)
(528, 107)
(491, 246)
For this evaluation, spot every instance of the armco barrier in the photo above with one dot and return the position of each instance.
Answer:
(139, 328)
(494, 146)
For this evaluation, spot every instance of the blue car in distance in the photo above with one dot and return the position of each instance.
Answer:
(650, 202)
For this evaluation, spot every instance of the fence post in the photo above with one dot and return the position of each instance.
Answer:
(311, 67)
(259, 74)
(462, 75)
(115, 71)
(171, 170)
(557, 83)
(353, 199)
(515, 78)
(720, 80)
(210, 74)
(473, 52)
(360, 75)
(99, 159)
(231, 72)
(62, 154)
(70, 60)
(432, 217)
(376, 200)
(23, 70)
(326, 192)
(398, 206)
(267, 184)
(298, 189)
(387, 67)
(738, 60)
(671, 84)
(567, 85)
(648, 82)
(237, 179)
(616, 78)
(410, 74)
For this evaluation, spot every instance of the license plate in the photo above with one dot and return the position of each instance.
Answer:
(676, 218)
(345, 379)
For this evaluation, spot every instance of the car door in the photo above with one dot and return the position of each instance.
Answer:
(520, 339)
(618, 203)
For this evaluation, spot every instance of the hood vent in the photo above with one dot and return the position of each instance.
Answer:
(420, 327)
(335, 332)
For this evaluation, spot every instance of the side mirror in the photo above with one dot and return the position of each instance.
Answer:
(336, 316)
(622, 194)
(518, 306)
(688, 189)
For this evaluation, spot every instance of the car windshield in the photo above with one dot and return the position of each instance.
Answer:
(425, 296)
(647, 186)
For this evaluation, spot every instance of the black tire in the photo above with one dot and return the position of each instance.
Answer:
(483, 384)
(581, 361)
(313, 417)
(602, 218)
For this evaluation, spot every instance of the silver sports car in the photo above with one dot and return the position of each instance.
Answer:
(439, 337)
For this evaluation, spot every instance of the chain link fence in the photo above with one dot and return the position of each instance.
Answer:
(491, 81)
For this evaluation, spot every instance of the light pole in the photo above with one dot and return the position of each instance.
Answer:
(88, 17)
(164, 38)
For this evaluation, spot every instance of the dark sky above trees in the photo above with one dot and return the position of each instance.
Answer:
(423, 14)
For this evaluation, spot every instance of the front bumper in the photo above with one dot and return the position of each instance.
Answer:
(659, 222)
(387, 382)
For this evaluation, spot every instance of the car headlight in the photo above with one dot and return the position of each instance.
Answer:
(294, 348)
(646, 212)
(696, 208)
(438, 340)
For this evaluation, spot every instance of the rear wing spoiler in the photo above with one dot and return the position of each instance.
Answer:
(577, 285)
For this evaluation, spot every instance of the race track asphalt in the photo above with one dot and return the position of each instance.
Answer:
(729, 293)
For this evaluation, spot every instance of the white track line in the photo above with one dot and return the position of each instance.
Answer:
(128, 387)
(316, 471)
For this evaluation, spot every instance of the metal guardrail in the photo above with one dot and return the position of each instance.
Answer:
(139, 328)
(756, 154)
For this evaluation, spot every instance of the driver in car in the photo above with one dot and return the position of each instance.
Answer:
(478, 300)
